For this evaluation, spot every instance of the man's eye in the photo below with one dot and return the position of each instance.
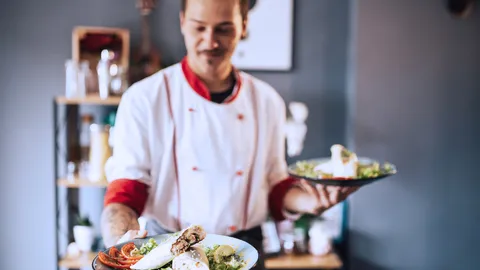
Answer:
(224, 30)
(200, 29)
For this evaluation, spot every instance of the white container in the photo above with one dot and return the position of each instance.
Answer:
(84, 237)
(320, 239)
(271, 241)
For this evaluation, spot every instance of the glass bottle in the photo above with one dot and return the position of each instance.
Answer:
(71, 79)
(99, 152)
(87, 120)
(83, 78)
(103, 72)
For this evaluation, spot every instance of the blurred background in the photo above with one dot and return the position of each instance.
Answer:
(397, 80)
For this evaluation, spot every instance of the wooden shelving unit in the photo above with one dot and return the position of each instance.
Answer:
(79, 183)
(89, 100)
(67, 148)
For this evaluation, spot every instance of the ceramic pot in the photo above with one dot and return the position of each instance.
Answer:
(84, 237)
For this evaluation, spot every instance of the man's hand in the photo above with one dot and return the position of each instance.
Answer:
(132, 234)
(119, 223)
(325, 197)
(309, 199)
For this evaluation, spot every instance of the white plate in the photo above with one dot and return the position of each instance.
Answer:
(343, 182)
(246, 251)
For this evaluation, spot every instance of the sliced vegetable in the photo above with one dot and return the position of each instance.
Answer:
(111, 262)
(128, 252)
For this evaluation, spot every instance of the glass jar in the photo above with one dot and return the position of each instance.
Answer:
(118, 81)
(76, 78)
(71, 78)
(99, 152)
(71, 168)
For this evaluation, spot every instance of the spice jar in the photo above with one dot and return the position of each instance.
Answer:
(99, 152)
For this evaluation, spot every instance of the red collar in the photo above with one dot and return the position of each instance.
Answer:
(200, 88)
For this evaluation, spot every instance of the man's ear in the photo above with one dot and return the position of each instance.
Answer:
(244, 29)
(182, 20)
(181, 16)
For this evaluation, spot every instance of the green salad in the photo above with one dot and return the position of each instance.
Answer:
(146, 247)
(223, 257)
(307, 169)
(342, 159)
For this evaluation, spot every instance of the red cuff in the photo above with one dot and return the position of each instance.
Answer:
(131, 193)
(277, 196)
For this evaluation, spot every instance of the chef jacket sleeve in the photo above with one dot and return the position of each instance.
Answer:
(128, 169)
(279, 180)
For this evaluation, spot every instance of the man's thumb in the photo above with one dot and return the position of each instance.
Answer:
(141, 233)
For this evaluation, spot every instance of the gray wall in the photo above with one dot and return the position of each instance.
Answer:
(416, 85)
(36, 41)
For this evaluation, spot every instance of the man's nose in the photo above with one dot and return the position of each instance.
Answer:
(210, 40)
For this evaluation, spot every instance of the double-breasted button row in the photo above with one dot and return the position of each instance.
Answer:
(238, 173)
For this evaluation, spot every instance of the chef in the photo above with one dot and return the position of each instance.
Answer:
(201, 142)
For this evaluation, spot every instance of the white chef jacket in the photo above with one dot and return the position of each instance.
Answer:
(204, 163)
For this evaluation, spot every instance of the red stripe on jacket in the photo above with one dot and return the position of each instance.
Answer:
(200, 88)
(130, 193)
(276, 198)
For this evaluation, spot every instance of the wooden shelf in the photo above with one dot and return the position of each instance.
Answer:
(84, 260)
(329, 261)
(114, 100)
(78, 182)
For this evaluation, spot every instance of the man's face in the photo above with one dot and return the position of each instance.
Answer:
(211, 29)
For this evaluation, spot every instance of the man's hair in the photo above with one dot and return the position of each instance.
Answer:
(244, 7)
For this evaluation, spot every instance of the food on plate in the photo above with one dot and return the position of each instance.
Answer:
(222, 252)
(343, 164)
(187, 238)
(175, 245)
(181, 250)
(194, 258)
(224, 257)
(120, 259)
(146, 247)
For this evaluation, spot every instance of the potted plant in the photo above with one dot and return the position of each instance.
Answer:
(84, 234)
